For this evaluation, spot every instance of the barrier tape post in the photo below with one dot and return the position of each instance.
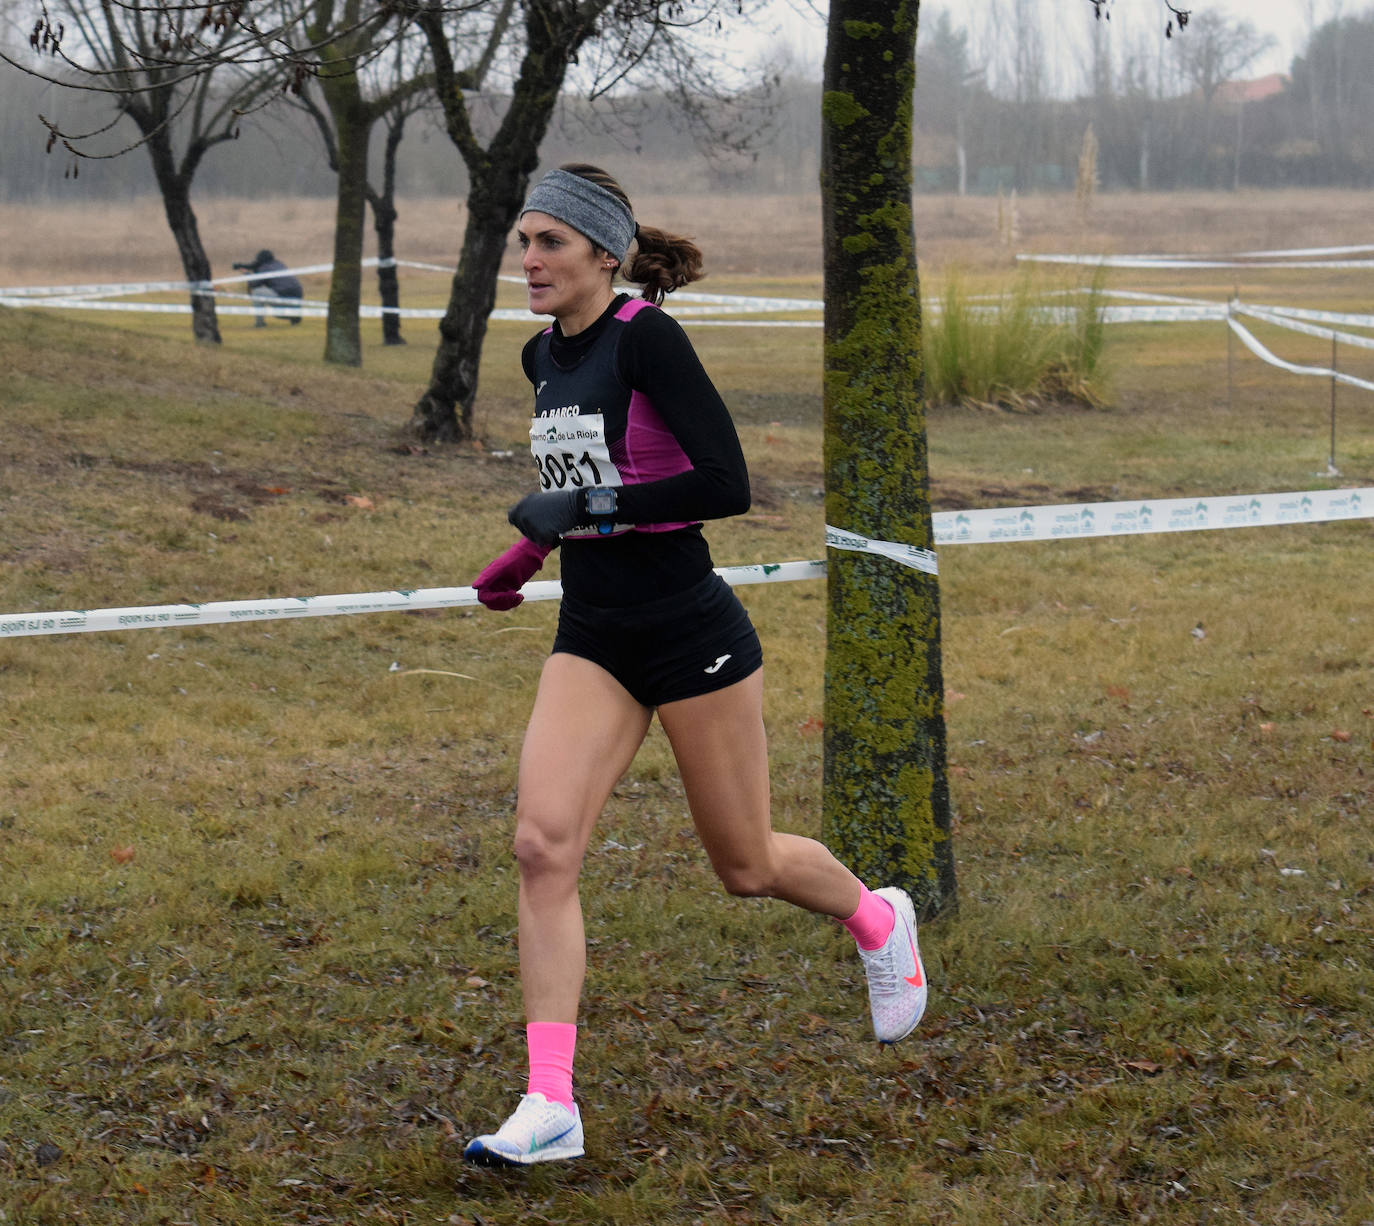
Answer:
(1331, 463)
(1230, 358)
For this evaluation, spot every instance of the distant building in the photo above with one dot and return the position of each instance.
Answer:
(1252, 91)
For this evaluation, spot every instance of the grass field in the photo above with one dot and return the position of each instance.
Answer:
(257, 904)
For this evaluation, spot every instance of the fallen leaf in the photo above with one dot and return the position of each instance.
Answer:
(812, 724)
(1119, 691)
(1148, 1067)
(122, 855)
(276, 489)
(361, 501)
(954, 695)
(476, 981)
(1266, 728)
(1339, 734)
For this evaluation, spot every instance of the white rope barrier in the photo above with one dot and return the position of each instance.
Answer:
(1173, 262)
(1325, 372)
(992, 525)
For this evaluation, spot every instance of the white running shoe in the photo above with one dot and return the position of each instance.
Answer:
(539, 1131)
(896, 975)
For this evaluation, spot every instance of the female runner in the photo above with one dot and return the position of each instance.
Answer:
(635, 448)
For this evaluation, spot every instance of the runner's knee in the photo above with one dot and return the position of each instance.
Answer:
(544, 851)
(747, 880)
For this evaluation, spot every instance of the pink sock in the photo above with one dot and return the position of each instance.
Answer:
(872, 923)
(551, 1047)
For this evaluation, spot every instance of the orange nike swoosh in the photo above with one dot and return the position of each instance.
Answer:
(915, 980)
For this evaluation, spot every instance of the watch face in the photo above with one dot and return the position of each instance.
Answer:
(601, 502)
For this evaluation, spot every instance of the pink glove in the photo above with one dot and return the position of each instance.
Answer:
(498, 586)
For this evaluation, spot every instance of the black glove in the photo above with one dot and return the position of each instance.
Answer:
(544, 517)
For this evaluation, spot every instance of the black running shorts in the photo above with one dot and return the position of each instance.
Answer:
(691, 643)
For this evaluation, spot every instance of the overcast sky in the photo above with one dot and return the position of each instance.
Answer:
(1287, 21)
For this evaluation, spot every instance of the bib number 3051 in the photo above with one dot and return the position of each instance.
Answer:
(563, 468)
(572, 452)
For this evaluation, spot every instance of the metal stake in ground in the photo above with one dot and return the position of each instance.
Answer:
(1331, 469)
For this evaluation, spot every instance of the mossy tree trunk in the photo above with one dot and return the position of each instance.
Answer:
(353, 120)
(886, 808)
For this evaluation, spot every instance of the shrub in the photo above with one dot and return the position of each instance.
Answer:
(1015, 350)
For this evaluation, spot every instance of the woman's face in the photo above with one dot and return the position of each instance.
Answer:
(565, 275)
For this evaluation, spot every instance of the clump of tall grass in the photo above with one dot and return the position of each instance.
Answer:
(1016, 349)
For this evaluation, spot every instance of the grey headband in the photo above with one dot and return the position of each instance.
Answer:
(590, 209)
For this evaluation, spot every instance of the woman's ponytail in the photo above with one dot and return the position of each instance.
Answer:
(662, 262)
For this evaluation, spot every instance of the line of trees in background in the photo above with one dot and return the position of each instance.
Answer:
(1185, 117)
(1191, 117)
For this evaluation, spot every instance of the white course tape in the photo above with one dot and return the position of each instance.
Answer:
(87, 621)
(1143, 296)
(64, 291)
(692, 309)
(991, 525)
(1155, 314)
(1325, 372)
(1338, 318)
(907, 555)
(178, 308)
(1297, 325)
(1308, 251)
(1079, 520)
(1184, 261)
(735, 301)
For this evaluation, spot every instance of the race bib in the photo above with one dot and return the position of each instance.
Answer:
(572, 452)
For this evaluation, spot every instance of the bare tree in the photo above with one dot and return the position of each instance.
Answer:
(615, 36)
(947, 83)
(371, 71)
(1217, 51)
(168, 73)
(363, 74)
(1332, 82)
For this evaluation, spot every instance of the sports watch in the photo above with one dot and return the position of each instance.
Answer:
(601, 501)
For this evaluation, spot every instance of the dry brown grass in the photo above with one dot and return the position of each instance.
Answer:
(256, 897)
(776, 237)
